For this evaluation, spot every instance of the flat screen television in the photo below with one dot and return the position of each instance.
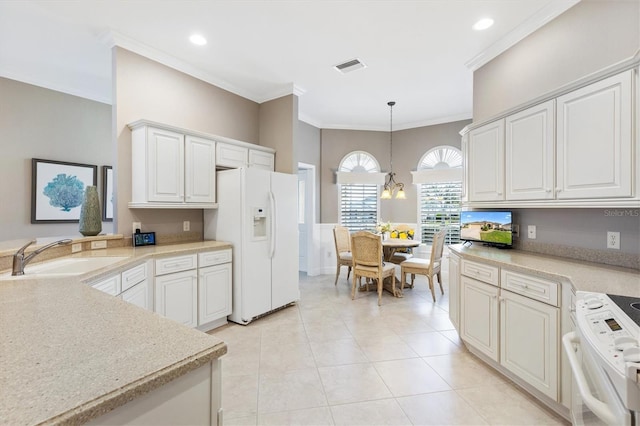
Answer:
(491, 228)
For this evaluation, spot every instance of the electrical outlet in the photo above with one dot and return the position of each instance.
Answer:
(531, 232)
(613, 240)
(100, 244)
(75, 248)
(136, 225)
(186, 226)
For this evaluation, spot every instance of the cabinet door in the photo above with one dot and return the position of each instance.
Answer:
(479, 316)
(214, 293)
(262, 160)
(595, 140)
(529, 139)
(464, 147)
(165, 166)
(139, 295)
(109, 285)
(486, 162)
(200, 170)
(529, 341)
(232, 156)
(177, 297)
(454, 290)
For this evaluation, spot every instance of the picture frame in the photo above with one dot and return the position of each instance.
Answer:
(57, 189)
(107, 194)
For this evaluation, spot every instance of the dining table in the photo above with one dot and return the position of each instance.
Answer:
(391, 245)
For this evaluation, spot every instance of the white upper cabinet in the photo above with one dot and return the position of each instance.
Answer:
(171, 169)
(486, 162)
(165, 166)
(578, 149)
(529, 139)
(262, 160)
(232, 156)
(200, 173)
(595, 140)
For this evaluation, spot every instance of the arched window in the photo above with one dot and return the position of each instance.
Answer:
(439, 177)
(358, 179)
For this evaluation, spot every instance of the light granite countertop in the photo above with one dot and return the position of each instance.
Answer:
(583, 276)
(70, 353)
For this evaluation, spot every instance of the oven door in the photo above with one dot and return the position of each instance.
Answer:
(594, 399)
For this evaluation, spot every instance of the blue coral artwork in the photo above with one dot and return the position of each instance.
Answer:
(58, 189)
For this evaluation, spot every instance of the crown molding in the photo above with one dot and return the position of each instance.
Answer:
(401, 126)
(113, 38)
(96, 96)
(549, 12)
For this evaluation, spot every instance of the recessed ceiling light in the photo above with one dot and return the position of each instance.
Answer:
(198, 40)
(483, 24)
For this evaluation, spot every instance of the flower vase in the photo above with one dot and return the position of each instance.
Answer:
(90, 214)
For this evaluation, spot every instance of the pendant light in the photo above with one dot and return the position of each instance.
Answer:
(390, 185)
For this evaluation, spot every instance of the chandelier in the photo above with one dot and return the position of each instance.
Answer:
(391, 185)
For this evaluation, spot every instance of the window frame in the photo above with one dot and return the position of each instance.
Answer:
(349, 178)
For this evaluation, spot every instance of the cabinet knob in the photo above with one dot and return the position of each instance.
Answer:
(547, 190)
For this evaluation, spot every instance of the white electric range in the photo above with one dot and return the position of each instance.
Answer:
(604, 353)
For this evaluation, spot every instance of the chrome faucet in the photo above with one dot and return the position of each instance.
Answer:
(20, 261)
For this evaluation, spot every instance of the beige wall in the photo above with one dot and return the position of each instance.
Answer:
(42, 123)
(587, 38)
(408, 147)
(278, 119)
(145, 89)
(308, 151)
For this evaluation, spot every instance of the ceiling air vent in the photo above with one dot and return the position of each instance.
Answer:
(349, 66)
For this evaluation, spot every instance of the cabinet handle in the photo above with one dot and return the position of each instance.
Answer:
(547, 190)
(558, 190)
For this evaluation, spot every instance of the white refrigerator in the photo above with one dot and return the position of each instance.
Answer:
(258, 213)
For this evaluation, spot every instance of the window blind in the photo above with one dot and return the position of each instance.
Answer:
(359, 206)
(440, 204)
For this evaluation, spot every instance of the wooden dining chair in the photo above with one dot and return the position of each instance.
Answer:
(366, 248)
(342, 240)
(428, 267)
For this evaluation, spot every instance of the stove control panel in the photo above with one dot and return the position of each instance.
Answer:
(608, 329)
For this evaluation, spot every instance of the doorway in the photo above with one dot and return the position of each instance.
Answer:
(306, 215)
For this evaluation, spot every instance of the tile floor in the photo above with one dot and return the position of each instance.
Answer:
(329, 360)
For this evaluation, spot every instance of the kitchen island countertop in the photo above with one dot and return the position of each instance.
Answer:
(70, 353)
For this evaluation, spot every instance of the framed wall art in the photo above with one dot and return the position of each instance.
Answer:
(107, 193)
(57, 189)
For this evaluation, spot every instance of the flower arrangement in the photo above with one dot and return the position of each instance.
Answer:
(381, 228)
(403, 235)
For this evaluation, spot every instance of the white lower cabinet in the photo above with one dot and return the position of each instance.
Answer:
(195, 289)
(139, 295)
(529, 341)
(513, 319)
(479, 316)
(110, 285)
(177, 297)
(214, 293)
(454, 290)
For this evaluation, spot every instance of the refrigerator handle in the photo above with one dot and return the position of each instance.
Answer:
(272, 200)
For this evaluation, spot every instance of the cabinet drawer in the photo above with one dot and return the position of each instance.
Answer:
(133, 276)
(109, 285)
(175, 264)
(532, 287)
(212, 258)
(481, 272)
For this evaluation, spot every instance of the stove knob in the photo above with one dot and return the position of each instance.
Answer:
(594, 304)
(631, 354)
(623, 342)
